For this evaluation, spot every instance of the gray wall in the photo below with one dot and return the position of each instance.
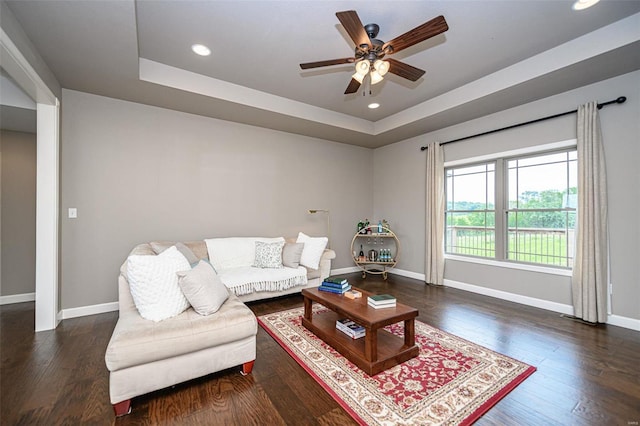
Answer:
(399, 187)
(138, 173)
(18, 213)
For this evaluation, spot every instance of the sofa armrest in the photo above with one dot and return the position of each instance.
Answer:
(325, 263)
(125, 300)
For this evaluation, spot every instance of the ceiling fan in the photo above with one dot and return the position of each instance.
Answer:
(369, 50)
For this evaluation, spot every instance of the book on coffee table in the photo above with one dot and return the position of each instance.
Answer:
(336, 280)
(350, 328)
(331, 289)
(381, 301)
(352, 294)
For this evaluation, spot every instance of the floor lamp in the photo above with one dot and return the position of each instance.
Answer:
(314, 211)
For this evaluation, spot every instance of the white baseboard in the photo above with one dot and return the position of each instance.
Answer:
(345, 270)
(89, 310)
(401, 272)
(512, 297)
(17, 298)
(624, 322)
(617, 320)
(408, 274)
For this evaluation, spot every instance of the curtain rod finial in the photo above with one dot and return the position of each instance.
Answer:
(423, 148)
(621, 99)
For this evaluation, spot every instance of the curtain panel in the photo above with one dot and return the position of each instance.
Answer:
(434, 238)
(590, 270)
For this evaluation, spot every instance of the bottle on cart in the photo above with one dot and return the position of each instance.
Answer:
(361, 254)
(379, 227)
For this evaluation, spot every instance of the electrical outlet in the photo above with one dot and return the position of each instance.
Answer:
(73, 213)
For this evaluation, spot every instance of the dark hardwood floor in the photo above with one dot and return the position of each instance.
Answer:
(586, 375)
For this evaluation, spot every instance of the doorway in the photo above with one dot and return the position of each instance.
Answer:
(47, 147)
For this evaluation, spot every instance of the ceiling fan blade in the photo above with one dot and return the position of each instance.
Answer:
(420, 33)
(404, 70)
(352, 24)
(327, 63)
(353, 86)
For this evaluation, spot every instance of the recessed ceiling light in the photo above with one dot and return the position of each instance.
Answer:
(201, 49)
(583, 4)
(373, 105)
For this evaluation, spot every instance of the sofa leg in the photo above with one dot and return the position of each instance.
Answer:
(122, 408)
(247, 367)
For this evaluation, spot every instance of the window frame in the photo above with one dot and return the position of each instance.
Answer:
(485, 210)
(501, 231)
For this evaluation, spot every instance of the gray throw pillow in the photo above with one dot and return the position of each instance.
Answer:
(203, 289)
(291, 254)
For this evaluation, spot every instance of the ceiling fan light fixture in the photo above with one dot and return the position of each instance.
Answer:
(584, 4)
(201, 49)
(369, 51)
(358, 77)
(376, 77)
(373, 105)
(381, 66)
(362, 67)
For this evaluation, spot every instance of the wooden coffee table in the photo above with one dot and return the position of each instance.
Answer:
(379, 349)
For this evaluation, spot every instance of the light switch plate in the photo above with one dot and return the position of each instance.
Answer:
(73, 213)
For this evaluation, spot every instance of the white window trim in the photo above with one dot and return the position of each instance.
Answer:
(538, 149)
(510, 265)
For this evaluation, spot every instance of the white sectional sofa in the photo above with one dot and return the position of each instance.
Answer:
(233, 258)
(144, 355)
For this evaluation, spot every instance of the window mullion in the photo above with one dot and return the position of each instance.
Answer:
(500, 217)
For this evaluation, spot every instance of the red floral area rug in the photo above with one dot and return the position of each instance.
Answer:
(452, 381)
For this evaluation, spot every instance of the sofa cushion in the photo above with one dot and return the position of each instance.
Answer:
(268, 255)
(234, 252)
(291, 253)
(136, 341)
(312, 251)
(248, 280)
(198, 248)
(160, 246)
(154, 284)
(202, 288)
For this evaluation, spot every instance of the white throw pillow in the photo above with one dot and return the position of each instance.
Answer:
(153, 282)
(312, 251)
(203, 288)
(268, 255)
(234, 252)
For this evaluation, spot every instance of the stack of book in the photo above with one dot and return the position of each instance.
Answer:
(350, 328)
(379, 301)
(335, 285)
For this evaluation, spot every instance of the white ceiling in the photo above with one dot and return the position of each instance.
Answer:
(496, 55)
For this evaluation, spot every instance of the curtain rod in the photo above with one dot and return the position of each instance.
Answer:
(620, 100)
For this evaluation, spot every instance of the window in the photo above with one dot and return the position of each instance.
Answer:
(538, 195)
(541, 217)
(470, 212)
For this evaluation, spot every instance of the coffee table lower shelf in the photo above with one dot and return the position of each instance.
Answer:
(391, 349)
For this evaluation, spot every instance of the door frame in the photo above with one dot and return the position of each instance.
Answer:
(48, 313)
